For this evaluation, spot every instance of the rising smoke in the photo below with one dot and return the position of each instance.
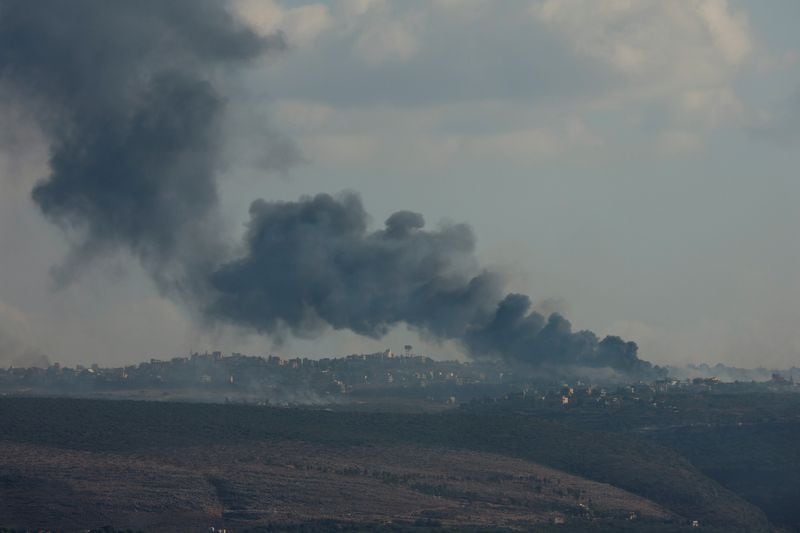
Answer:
(126, 94)
(311, 264)
(124, 91)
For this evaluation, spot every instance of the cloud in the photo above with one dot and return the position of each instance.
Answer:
(303, 23)
(781, 123)
(680, 43)
(522, 49)
(548, 63)
(389, 37)
(432, 136)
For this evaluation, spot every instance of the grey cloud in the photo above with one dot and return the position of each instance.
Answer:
(501, 55)
(783, 123)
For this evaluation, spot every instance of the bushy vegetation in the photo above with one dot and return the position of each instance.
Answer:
(760, 462)
(626, 461)
(432, 526)
(746, 441)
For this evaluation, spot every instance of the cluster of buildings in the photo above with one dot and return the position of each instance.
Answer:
(274, 379)
(656, 394)
(361, 374)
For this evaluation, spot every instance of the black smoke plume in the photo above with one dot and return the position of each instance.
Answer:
(125, 91)
(313, 263)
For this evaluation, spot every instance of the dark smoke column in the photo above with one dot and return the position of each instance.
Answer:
(123, 90)
(311, 264)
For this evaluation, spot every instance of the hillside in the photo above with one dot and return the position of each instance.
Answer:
(250, 466)
(288, 482)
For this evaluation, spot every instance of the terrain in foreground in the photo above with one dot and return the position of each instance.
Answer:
(79, 464)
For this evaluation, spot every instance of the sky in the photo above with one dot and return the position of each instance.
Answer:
(630, 164)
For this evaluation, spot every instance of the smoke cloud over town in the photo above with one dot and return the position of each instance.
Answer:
(128, 96)
(313, 263)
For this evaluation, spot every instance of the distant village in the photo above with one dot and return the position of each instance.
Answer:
(582, 395)
(384, 376)
(269, 379)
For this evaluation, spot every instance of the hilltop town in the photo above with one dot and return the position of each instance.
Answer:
(405, 379)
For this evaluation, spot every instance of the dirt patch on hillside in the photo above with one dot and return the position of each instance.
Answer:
(283, 482)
